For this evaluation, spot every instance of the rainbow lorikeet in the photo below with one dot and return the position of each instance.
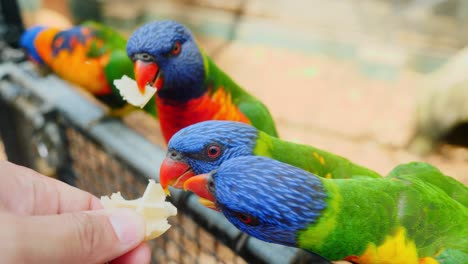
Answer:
(90, 55)
(203, 147)
(190, 87)
(414, 215)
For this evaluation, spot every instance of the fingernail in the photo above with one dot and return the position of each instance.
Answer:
(128, 225)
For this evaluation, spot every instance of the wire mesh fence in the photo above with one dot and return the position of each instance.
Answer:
(45, 125)
(185, 242)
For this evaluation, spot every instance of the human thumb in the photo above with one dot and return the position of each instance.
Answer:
(81, 237)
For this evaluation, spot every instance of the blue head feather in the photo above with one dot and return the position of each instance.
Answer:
(234, 139)
(282, 198)
(27, 42)
(184, 74)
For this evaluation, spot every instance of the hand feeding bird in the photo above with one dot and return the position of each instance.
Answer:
(190, 87)
(90, 55)
(414, 215)
(203, 147)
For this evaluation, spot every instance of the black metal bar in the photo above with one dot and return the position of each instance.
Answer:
(12, 20)
(14, 138)
(9, 133)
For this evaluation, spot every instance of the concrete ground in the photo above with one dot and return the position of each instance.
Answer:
(331, 104)
(341, 76)
(334, 75)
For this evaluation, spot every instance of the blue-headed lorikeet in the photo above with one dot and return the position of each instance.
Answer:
(190, 87)
(90, 55)
(203, 147)
(408, 217)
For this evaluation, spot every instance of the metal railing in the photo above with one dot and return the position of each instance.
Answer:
(45, 124)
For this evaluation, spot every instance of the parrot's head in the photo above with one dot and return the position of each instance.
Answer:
(263, 197)
(202, 147)
(28, 43)
(166, 56)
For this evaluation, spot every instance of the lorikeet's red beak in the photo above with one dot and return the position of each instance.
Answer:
(174, 173)
(199, 185)
(147, 73)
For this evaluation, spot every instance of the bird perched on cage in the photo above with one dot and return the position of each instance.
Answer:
(204, 146)
(190, 87)
(90, 55)
(414, 215)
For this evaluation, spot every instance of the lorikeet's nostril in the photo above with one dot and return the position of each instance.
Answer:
(175, 155)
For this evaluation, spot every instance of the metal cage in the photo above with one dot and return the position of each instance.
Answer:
(48, 125)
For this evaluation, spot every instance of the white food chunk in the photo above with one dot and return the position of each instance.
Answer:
(151, 205)
(129, 91)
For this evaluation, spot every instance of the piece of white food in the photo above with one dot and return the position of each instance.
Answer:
(128, 89)
(151, 205)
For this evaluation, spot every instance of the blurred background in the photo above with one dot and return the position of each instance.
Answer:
(381, 82)
(345, 76)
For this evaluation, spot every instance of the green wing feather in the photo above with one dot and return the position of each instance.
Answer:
(441, 204)
(119, 63)
(251, 107)
(113, 40)
(452, 256)
(434, 176)
(361, 211)
(358, 212)
(317, 161)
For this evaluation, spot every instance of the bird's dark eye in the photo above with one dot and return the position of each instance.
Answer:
(176, 48)
(213, 151)
(247, 219)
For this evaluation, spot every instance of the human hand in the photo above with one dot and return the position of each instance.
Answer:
(43, 220)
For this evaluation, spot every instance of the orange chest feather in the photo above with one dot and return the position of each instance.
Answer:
(75, 66)
(174, 116)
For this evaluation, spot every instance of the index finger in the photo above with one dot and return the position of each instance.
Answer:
(26, 192)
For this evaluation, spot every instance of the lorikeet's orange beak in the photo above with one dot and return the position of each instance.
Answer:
(174, 173)
(147, 73)
(199, 185)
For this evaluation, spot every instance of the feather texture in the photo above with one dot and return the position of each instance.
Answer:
(191, 87)
(238, 139)
(90, 55)
(400, 218)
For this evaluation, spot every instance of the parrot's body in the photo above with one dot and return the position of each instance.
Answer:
(90, 55)
(408, 217)
(189, 150)
(190, 87)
